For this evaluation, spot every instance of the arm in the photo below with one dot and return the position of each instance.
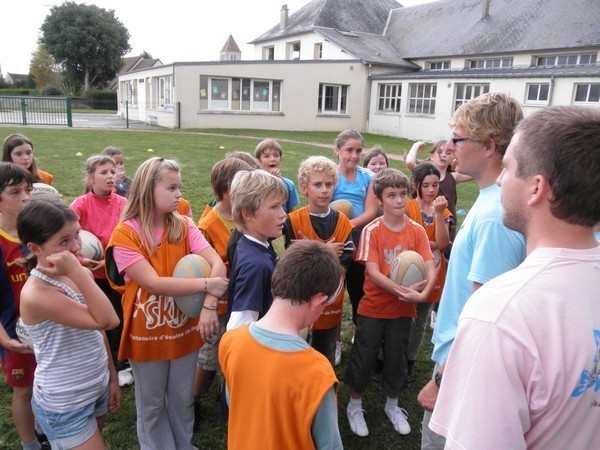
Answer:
(411, 158)
(442, 229)
(461, 177)
(324, 428)
(428, 395)
(419, 292)
(370, 209)
(40, 302)
(209, 321)
(14, 345)
(114, 391)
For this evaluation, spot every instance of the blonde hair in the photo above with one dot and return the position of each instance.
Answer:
(141, 203)
(316, 164)
(97, 160)
(490, 116)
(250, 188)
(267, 144)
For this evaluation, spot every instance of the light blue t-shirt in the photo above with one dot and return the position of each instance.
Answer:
(324, 429)
(355, 192)
(293, 199)
(483, 249)
(597, 234)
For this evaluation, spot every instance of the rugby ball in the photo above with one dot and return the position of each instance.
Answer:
(408, 268)
(343, 206)
(22, 334)
(44, 191)
(191, 266)
(91, 247)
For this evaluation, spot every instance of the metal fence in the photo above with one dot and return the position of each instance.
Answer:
(36, 110)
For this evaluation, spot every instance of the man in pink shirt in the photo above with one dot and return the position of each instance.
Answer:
(524, 370)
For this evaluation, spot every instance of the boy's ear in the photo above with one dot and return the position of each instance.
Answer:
(317, 300)
(246, 214)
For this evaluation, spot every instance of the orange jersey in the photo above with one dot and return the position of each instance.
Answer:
(217, 232)
(153, 327)
(379, 244)
(414, 212)
(184, 208)
(272, 404)
(300, 221)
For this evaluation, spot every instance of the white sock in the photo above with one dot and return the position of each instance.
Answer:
(391, 403)
(355, 403)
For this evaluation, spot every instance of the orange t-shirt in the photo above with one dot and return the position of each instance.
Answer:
(154, 328)
(45, 176)
(272, 404)
(331, 316)
(414, 212)
(217, 232)
(379, 244)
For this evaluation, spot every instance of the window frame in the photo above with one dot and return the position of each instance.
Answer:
(537, 100)
(241, 94)
(476, 89)
(164, 91)
(341, 101)
(490, 63)
(590, 86)
(592, 59)
(445, 65)
(389, 97)
(414, 98)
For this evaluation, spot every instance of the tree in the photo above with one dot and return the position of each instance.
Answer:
(87, 41)
(43, 68)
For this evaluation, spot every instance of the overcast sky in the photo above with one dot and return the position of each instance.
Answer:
(173, 31)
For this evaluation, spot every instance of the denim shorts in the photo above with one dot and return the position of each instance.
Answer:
(72, 428)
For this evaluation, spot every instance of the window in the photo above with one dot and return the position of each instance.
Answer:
(164, 91)
(389, 97)
(269, 53)
(130, 92)
(537, 92)
(332, 98)
(239, 94)
(293, 50)
(465, 92)
(490, 63)
(319, 50)
(563, 60)
(439, 65)
(587, 93)
(422, 98)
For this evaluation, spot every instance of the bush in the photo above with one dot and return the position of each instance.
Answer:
(101, 99)
(19, 91)
(51, 90)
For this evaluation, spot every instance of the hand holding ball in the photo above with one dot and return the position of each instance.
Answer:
(91, 247)
(408, 268)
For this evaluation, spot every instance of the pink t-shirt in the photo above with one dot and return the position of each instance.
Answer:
(524, 370)
(125, 257)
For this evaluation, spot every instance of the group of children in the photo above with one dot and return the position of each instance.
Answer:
(275, 270)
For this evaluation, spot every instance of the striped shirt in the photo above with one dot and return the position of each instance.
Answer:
(72, 364)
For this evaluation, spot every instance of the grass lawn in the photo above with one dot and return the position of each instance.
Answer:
(56, 151)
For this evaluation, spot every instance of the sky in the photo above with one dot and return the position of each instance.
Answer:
(180, 30)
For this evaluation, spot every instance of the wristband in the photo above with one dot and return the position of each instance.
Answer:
(210, 308)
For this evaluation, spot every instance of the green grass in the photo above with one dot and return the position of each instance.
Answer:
(56, 151)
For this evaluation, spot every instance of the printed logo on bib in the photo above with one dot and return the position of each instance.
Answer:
(159, 311)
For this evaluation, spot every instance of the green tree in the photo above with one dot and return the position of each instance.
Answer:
(87, 41)
(43, 68)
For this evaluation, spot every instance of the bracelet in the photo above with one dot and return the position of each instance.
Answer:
(210, 308)
(205, 285)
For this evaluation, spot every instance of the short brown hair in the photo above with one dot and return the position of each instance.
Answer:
(266, 145)
(246, 157)
(316, 164)
(562, 143)
(389, 178)
(375, 151)
(490, 116)
(306, 269)
(222, 174)
(250, 188)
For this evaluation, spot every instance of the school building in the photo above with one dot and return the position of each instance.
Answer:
(378, 67)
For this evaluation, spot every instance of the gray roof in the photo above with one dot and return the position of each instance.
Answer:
(370, 48)
(367, 16)
(231, 46)
(529, 72)
(455, 27)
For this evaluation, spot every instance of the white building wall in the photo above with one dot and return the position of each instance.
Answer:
(307, 45)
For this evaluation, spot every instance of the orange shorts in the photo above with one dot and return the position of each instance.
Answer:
(18, 368)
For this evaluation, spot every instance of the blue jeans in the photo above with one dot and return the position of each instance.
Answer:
(72, 428)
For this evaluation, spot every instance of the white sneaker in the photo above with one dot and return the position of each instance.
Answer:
(398, 418)
(356, 419)
(433, 319)
(338, 353)
(125, 377)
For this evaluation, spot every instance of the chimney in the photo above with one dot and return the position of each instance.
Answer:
(284, 19)
(486, 10)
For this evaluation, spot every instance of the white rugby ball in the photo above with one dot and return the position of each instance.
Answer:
(44, 191)
(408, 268)
(343, 206)
(22, 334)
(91, 247)
(191, 266)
